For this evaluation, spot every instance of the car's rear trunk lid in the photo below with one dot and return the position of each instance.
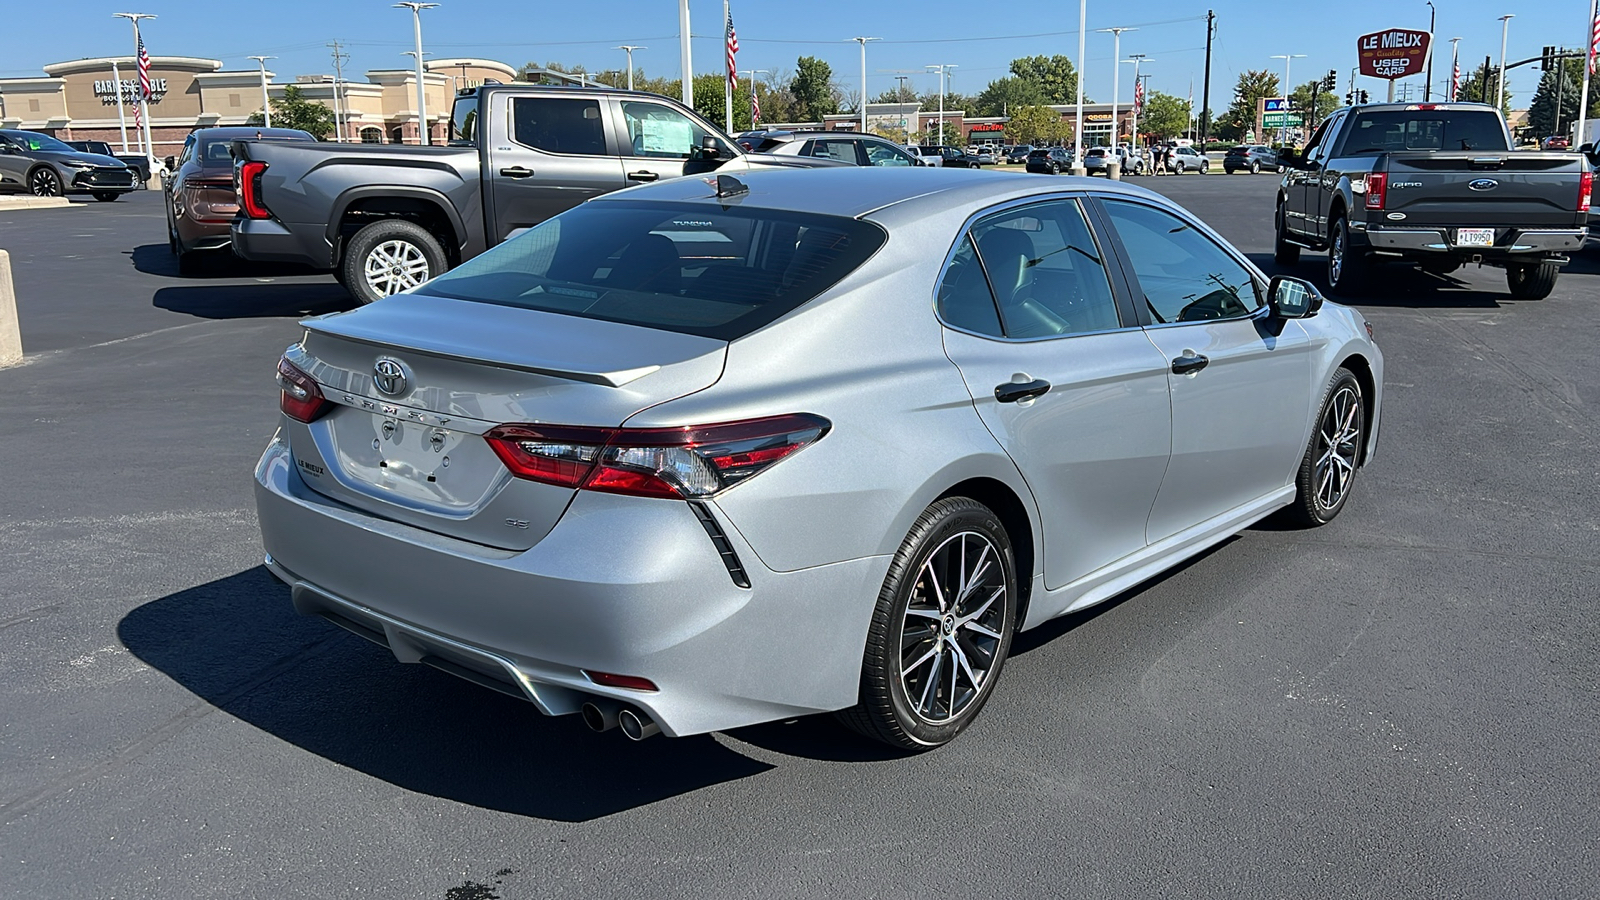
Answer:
(416, 380)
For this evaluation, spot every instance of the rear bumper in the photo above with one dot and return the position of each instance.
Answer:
(268, 240)
(1509, 242)
(620, 585)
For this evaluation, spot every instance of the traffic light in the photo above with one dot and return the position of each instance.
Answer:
(1363, 96)
(1330, 81)
(1547, 59)
(1350, 98)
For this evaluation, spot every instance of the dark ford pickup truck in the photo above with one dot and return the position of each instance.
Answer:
(1430, 184)
(386, 218)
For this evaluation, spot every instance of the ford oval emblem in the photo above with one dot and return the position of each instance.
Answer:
(1396, 217)
(1482, 184)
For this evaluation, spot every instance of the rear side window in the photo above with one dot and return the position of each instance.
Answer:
(964, 300)
(568, 125)
(1370, 133)
(683, 267)
(843, 151)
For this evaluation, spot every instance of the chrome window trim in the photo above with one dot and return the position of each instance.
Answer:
(1006, 206)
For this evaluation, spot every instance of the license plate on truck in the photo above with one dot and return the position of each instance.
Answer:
(1474, 237)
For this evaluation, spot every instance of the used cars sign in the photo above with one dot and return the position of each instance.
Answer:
(1393, 54)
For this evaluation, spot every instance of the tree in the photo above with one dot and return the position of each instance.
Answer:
(1240, 118)
(1054, 76)
(710, 103)
(901, 94)
(1313, 103)
(1036, 125)
(1555, 104)
(293, 110)
(1005, 95)
(1480, 85)
(814, 93)
(1164, 116)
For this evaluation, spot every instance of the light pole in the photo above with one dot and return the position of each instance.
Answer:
(683, 53)
(1427, 84)
(144, 100)
(630, 48)
(122, 120)
(1077, 128)
(753, 73)
(1116, 72)
(1288, 91)
(863, 42)
(266, 108)
(422, 100)
(1500, 92)
(943, 69)
(1136, 59)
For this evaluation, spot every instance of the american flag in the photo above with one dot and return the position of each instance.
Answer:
(733, 48)
(755, 105)
(1455, 79)
(144, 71)
(1594, 43)
(1138, 95)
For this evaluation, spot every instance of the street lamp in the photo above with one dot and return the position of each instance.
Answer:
(943, 69)
(863, 42)
(1116, 72)
(1077, 128)
(630, 48)
(266, 108)
(1427, 84)
(1288, 91)
(422, 100)
(144, 101)
(683, 53)
(1500, 92)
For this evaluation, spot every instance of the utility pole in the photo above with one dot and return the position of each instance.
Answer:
(1116, 73)
(266, 107)
(863, 42)
(422, 99)
(1427, 84)
(943, 69)
(683, 53)
(1205, 92)
(630, 48)
(122, 119)
(341, 116)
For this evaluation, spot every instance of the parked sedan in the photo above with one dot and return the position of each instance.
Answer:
(849, 147)
(200, 198)
(950, 157)
(41, 165)
(1049, 160)
(701, 454)
(1251, 158)
(1019, 153)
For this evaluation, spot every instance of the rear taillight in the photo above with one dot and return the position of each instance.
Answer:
(689, 462)
(302, 400)
(1585, 191)
(1377, 189)
(250, 190)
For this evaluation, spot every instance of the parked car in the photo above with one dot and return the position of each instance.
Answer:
(1049, 160)
(199, 194)
(1556, 142)
(135, 161)
(41, 165)
(849, 147)
(949, 157)
(1183, 159)
(1435, 185)
(1251, 158)
(930, 156)
(1019, 153)
(386, 217)
(986, 157)
(655, 456)
(1095, 159)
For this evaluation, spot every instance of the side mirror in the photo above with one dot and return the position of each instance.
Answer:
(1292, 298)
(172, 163)
(8, 150)
(709, 148)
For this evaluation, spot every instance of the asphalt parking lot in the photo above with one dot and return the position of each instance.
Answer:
(1405, 703)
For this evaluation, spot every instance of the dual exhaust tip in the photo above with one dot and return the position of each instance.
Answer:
(603, 715)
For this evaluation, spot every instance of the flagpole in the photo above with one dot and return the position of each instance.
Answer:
(1588, 69)
(122, 118)
(729, 76)
(683, 53)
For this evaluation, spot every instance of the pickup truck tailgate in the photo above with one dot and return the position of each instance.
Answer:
(1517, 189)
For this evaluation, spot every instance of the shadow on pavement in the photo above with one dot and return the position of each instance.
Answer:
(1398, 286)
(249, 301)
(157, 259)
(236, 643)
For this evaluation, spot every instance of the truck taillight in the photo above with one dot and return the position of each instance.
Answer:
(1377, 189)
(302, 400)
(1585, 191)
(690, 462)
(250, 190)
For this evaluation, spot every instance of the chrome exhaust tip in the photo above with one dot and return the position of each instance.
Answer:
(600, 715)
(637, 725)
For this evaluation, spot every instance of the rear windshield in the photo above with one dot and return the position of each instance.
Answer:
(710, 271)
(1038, 152)
(1439, 129)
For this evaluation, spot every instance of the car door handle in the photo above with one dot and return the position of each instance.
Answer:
(1189, 362)
(516, 172)
(1011, 392)
(642, 176)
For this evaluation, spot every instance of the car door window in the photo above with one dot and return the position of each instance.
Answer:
(883, 153)
(661, 132)
(568, 125)
(1046, 271)
(841, 150)
(1184, 275)
(188, 151)
(964, 299)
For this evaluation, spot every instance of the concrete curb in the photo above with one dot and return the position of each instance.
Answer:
(10, 331)
(28, 201)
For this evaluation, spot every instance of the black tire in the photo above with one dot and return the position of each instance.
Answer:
(416, 253)
(1205, 168)
(1333, 453)
(1177, 167)
(1281, 170)
(1055, 168)
(106, 196)
(1255, 168)
(1284, 253)
(44, 182)
(1347, 268)
(1532, 281)
(886, 711)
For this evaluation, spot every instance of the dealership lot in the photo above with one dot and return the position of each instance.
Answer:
(1400, 704)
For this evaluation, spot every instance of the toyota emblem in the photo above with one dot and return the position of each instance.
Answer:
(390, 376)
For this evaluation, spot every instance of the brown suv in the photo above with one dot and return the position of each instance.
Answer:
(199, 193)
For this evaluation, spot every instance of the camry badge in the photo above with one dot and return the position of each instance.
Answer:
(390, 376)
(1482, 184)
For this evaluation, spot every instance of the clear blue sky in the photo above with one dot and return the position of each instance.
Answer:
(978, 36)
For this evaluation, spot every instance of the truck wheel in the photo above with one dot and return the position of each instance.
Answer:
(390, 256)
(1532, 281)
(1347, 267)
(1283, 252)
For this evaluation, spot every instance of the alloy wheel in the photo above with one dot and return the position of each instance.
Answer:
(1336, 257)
(1338, 442)
(951, 634)
(44, 183)
(395, 266)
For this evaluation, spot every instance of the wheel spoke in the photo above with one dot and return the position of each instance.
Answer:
(981, 629)
(984, 608)
(923, 613)
(933, 679)
(932, 652)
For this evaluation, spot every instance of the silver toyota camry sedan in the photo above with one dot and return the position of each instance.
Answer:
(712, 452)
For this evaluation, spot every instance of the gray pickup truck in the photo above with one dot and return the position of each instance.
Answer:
(1431, 184)
(386, 218)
